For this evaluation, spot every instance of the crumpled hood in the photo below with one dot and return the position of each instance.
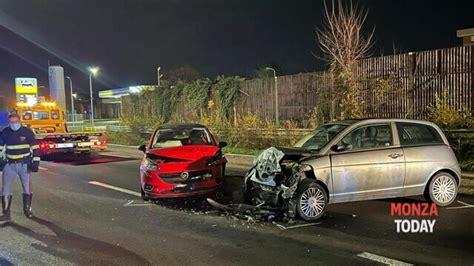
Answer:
(296, 154)
(188, 153)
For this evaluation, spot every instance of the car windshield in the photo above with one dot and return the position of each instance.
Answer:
(320, 137)
(165, 138)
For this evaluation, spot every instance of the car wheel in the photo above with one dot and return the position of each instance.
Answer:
(442, 189)
(144, 196)
(312, 200)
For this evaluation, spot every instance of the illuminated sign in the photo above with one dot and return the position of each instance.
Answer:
(26, 86)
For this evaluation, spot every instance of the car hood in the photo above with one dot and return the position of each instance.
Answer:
(296, 154)
(185, 153)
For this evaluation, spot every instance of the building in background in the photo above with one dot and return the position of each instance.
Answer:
(56, 85)
(467, 36)
(112, 99)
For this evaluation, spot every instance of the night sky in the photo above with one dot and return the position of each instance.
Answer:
(128, 39)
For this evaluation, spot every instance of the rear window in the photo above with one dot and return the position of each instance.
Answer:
(40, 115)
(417, 134)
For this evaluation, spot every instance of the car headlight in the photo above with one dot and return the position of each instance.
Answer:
(150, 165)
(306, 167)
(214, 159)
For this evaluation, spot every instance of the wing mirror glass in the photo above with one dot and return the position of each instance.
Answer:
(340, 147)
(222, 144)
(142, 148)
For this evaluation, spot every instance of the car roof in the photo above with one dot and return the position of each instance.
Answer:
(182, 126)
(376, 120)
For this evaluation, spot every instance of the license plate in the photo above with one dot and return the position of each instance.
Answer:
(84, 144)
(64, 145)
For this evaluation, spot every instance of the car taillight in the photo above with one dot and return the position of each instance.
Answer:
(45, 146)
(99, 142)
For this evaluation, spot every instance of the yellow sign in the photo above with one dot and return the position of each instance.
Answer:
(26, 86)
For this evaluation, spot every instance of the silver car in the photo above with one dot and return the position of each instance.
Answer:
(367, 159)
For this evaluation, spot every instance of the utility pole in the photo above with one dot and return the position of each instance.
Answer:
(277, 116)
(158, 74)
(73, 112)
(93, 71)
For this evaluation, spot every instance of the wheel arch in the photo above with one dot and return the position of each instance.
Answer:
(311, 175)
(446, 170)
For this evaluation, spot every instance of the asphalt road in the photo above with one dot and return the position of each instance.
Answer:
(77, 222)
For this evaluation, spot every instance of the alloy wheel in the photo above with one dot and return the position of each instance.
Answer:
(312, 202)
(443, 189)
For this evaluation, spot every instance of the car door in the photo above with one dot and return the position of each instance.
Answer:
(371, 165)
(425, 152)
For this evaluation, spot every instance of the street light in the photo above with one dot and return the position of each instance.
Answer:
(93, 72)
(73, 112)
(277, 117)
(158, 73)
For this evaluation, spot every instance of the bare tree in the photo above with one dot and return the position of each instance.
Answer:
(342, 40)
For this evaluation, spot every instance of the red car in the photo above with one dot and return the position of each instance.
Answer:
(181, 160)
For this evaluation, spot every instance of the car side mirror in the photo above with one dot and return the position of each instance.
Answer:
(340, 147)
(142, 148)
(222, 144)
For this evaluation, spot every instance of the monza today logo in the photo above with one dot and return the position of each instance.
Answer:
(414, 217)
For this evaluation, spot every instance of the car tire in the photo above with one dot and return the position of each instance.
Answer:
(311, 200)
(144, 196)
(442, 189)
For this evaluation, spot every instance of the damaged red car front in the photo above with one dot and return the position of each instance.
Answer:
(181, 160)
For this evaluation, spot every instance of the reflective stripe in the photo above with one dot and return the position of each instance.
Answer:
(17, 156)
(36, 159)
(35, 147)
(18, 147)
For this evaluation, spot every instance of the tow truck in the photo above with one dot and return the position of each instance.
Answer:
(46, 119)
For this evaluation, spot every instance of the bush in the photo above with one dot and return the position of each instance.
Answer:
(446, 116)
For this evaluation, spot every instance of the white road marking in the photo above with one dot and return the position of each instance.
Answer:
(465, 206)
(123, 190)
(118, 155)
(381, 259)
(43, 168)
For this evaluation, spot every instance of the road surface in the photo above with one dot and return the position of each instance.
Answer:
(89, 213)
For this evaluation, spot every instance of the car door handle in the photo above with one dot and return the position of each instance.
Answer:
(395, 155)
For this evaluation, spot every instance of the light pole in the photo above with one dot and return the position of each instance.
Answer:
(158, 73)
(277, 116)
(73, 112)
(92, 72)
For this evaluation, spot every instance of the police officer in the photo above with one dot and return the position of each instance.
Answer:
(21, 153)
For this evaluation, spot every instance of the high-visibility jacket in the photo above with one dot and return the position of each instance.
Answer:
(19, 145)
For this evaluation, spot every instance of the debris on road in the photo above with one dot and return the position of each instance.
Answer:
(282, 227)
(270, 188)
(273, 181)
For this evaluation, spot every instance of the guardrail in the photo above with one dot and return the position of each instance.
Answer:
(462, 140)
(303, 131)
